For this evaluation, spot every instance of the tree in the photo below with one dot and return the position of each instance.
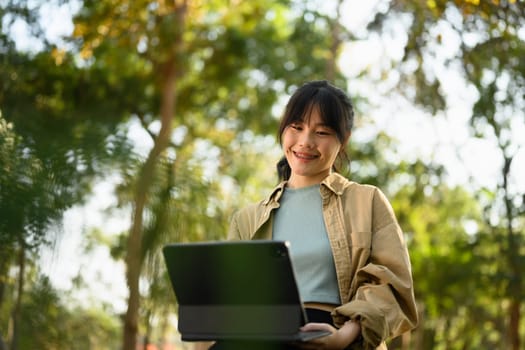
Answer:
(435, 219)
(244, 56)
(489, 43)
(204, 79)
(52, 325)
(50, 151)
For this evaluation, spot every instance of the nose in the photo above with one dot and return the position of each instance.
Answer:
(306, 139)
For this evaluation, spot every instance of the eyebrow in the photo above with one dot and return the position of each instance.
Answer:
(301, 121)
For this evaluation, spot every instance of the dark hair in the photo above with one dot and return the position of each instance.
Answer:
(335, 109)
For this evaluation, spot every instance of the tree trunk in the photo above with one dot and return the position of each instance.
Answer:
(17, 310)
(168, 73)
(134, 244)
(147, 336)
(6, 252)
(513, 254)
(515, 315)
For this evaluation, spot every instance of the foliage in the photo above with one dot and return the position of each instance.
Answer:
(51, 325)
(245, 57)
(438, 222)
(58, 138)
(66, 110)
(481, 41)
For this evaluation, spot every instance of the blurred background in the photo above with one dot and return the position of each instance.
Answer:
(128, 124)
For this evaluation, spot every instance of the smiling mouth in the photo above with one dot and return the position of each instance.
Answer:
(305, 156)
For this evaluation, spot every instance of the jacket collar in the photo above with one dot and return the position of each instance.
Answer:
(334, 182)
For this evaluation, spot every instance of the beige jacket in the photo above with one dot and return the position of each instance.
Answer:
(371, 259)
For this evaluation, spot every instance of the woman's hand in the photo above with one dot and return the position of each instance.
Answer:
(338, 340)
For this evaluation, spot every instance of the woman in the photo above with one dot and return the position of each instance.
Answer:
(349, 256)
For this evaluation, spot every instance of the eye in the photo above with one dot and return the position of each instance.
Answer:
(324, 132)
(296, 127)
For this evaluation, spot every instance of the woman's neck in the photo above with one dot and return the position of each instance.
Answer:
(297, 181)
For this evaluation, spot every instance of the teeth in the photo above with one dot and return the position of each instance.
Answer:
(305, 156)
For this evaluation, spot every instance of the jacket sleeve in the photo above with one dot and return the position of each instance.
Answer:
(233, 231)
(383, 300)
(243, 223)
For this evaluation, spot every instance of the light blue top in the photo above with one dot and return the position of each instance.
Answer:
(299, 220)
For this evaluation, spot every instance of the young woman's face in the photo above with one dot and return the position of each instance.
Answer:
(311, 149)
